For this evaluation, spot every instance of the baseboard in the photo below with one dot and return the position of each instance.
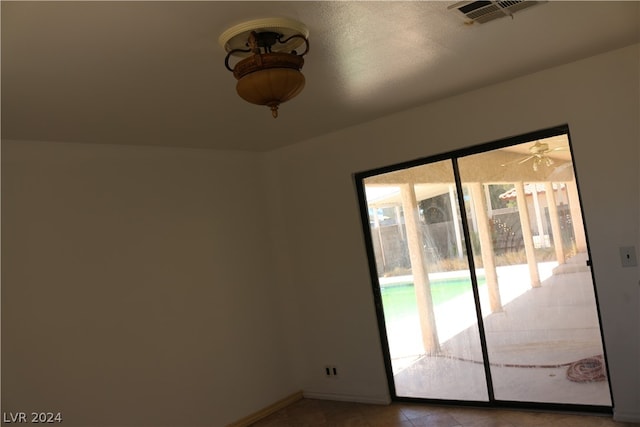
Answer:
(265, 412)
(626, 417)
(376, 400)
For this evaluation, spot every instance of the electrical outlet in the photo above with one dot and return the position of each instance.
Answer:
(628, 256)
(331, 371)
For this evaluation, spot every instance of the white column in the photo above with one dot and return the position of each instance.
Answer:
(399, 221)
(486, 246)
(487, 200)
(536, 207)
(419, 269)
(525, 224)
(456, 224)
(576, 216)
(555, 222)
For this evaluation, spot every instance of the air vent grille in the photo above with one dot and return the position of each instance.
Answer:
(485, 11)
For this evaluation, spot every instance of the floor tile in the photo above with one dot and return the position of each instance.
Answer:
(325, 413)
(436, 420)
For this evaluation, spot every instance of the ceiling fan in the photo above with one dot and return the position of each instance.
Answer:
(539, 154)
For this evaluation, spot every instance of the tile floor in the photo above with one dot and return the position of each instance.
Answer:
(326, 413)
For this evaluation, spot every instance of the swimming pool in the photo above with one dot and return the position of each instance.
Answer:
(399, 300)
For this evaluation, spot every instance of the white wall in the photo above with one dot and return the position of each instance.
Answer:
(137, 286)
(597, 97)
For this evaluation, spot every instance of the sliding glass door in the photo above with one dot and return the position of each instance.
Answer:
(425, 283)
(482, 276)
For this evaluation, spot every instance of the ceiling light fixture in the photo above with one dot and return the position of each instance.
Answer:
(270, 73)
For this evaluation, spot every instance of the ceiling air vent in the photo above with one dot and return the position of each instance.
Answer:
(485, 11)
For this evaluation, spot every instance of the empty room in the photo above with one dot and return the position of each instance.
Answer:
(358, 213)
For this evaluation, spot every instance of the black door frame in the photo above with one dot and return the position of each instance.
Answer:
(453, 157)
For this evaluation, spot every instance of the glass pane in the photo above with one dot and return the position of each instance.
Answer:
(429, 309)
(538, 304)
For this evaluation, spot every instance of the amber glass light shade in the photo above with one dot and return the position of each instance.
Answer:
(269, 79)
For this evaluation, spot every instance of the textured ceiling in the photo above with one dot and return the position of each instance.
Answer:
(152, 73)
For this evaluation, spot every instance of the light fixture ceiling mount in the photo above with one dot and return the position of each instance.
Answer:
(269, 73)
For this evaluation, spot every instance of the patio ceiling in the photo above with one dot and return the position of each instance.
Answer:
(502, 166)
(382, 196)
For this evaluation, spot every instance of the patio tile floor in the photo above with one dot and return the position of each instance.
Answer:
(554, 324)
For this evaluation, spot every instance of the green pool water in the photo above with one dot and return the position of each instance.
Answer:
(400, 300)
